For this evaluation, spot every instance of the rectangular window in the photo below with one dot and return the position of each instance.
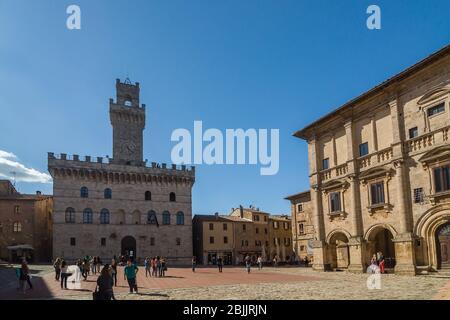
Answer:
(244, 227)
(275, 224)
(413, 132)
(302, 248)
(211, 240)
(152, 241)
(363, 149)
(211, 226)
(325, 164)
(72, 241)
(265, 230)
(300, 207)
(103, 242)
(301, 228)
(225, 239)
(267, 243)
(265, 218)
(257, 230)
(286, 225)
(335, 202)
(178, 241)
(16, 209)
(436, 109)
(242, 243)
(377, 193)
(418, 195)
(256, 217)
(225, 226)
(442, 179)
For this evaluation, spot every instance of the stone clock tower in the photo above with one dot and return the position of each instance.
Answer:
(128, 122)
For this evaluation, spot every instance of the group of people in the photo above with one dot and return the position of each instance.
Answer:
(155, 267)
(377, 264)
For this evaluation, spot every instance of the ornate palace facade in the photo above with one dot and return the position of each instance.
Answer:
(121, 205)
(379, 169)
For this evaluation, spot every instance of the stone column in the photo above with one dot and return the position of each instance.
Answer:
(356, 243)
(319, 245)
(404, 241)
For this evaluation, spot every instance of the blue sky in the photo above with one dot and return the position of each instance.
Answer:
(232, 64)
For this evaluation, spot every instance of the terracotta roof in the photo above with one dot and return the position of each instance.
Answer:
(303, 134)
(299, 195)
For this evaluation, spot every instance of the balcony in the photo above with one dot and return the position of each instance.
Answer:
(336, 172)
(427, 140)
(376, 158)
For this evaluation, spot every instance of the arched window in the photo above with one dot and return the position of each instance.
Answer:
(151, 218)
(17, 227)
(70, 215)
(172, 197)
(87, 215)
(108, 193)
(166, 217)
(180, 218)
(148, 196)
(104, 216)
(84, 192)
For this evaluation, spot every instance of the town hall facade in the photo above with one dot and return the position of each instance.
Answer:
(122, 205)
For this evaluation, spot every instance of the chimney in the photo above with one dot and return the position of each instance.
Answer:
(38, 193)
(216, 215)
(241, 211)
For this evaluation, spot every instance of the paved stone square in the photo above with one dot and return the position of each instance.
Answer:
(235, 284)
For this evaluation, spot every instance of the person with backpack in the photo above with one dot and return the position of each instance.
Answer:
(130, 272)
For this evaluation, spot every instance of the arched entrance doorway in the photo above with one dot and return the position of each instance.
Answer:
(339, 253)
(380, 241)
(129, 247)
(443, 246)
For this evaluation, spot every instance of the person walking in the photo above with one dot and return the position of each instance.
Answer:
(154, 267)
(114, 271)
(130, 272)
(163, 267)
(57, 267)
(248, 263)
(220, 263)
(105, 284)
(158, 266)
(64, 275)
(147, 266)
(194, 263)
(24, 276)
(259, 261)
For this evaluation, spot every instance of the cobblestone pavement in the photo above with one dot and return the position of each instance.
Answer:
(236, 284)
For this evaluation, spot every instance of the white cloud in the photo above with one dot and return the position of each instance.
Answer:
(11, 168)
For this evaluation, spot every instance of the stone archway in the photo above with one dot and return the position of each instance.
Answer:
(428, 228)
(443, 246)
(338, 250)
(128, 247)
(380, 240)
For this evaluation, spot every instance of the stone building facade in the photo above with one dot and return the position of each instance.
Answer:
(245, 231)
(122, 205)
(379, 173)
(302, 224)
(25, 225)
